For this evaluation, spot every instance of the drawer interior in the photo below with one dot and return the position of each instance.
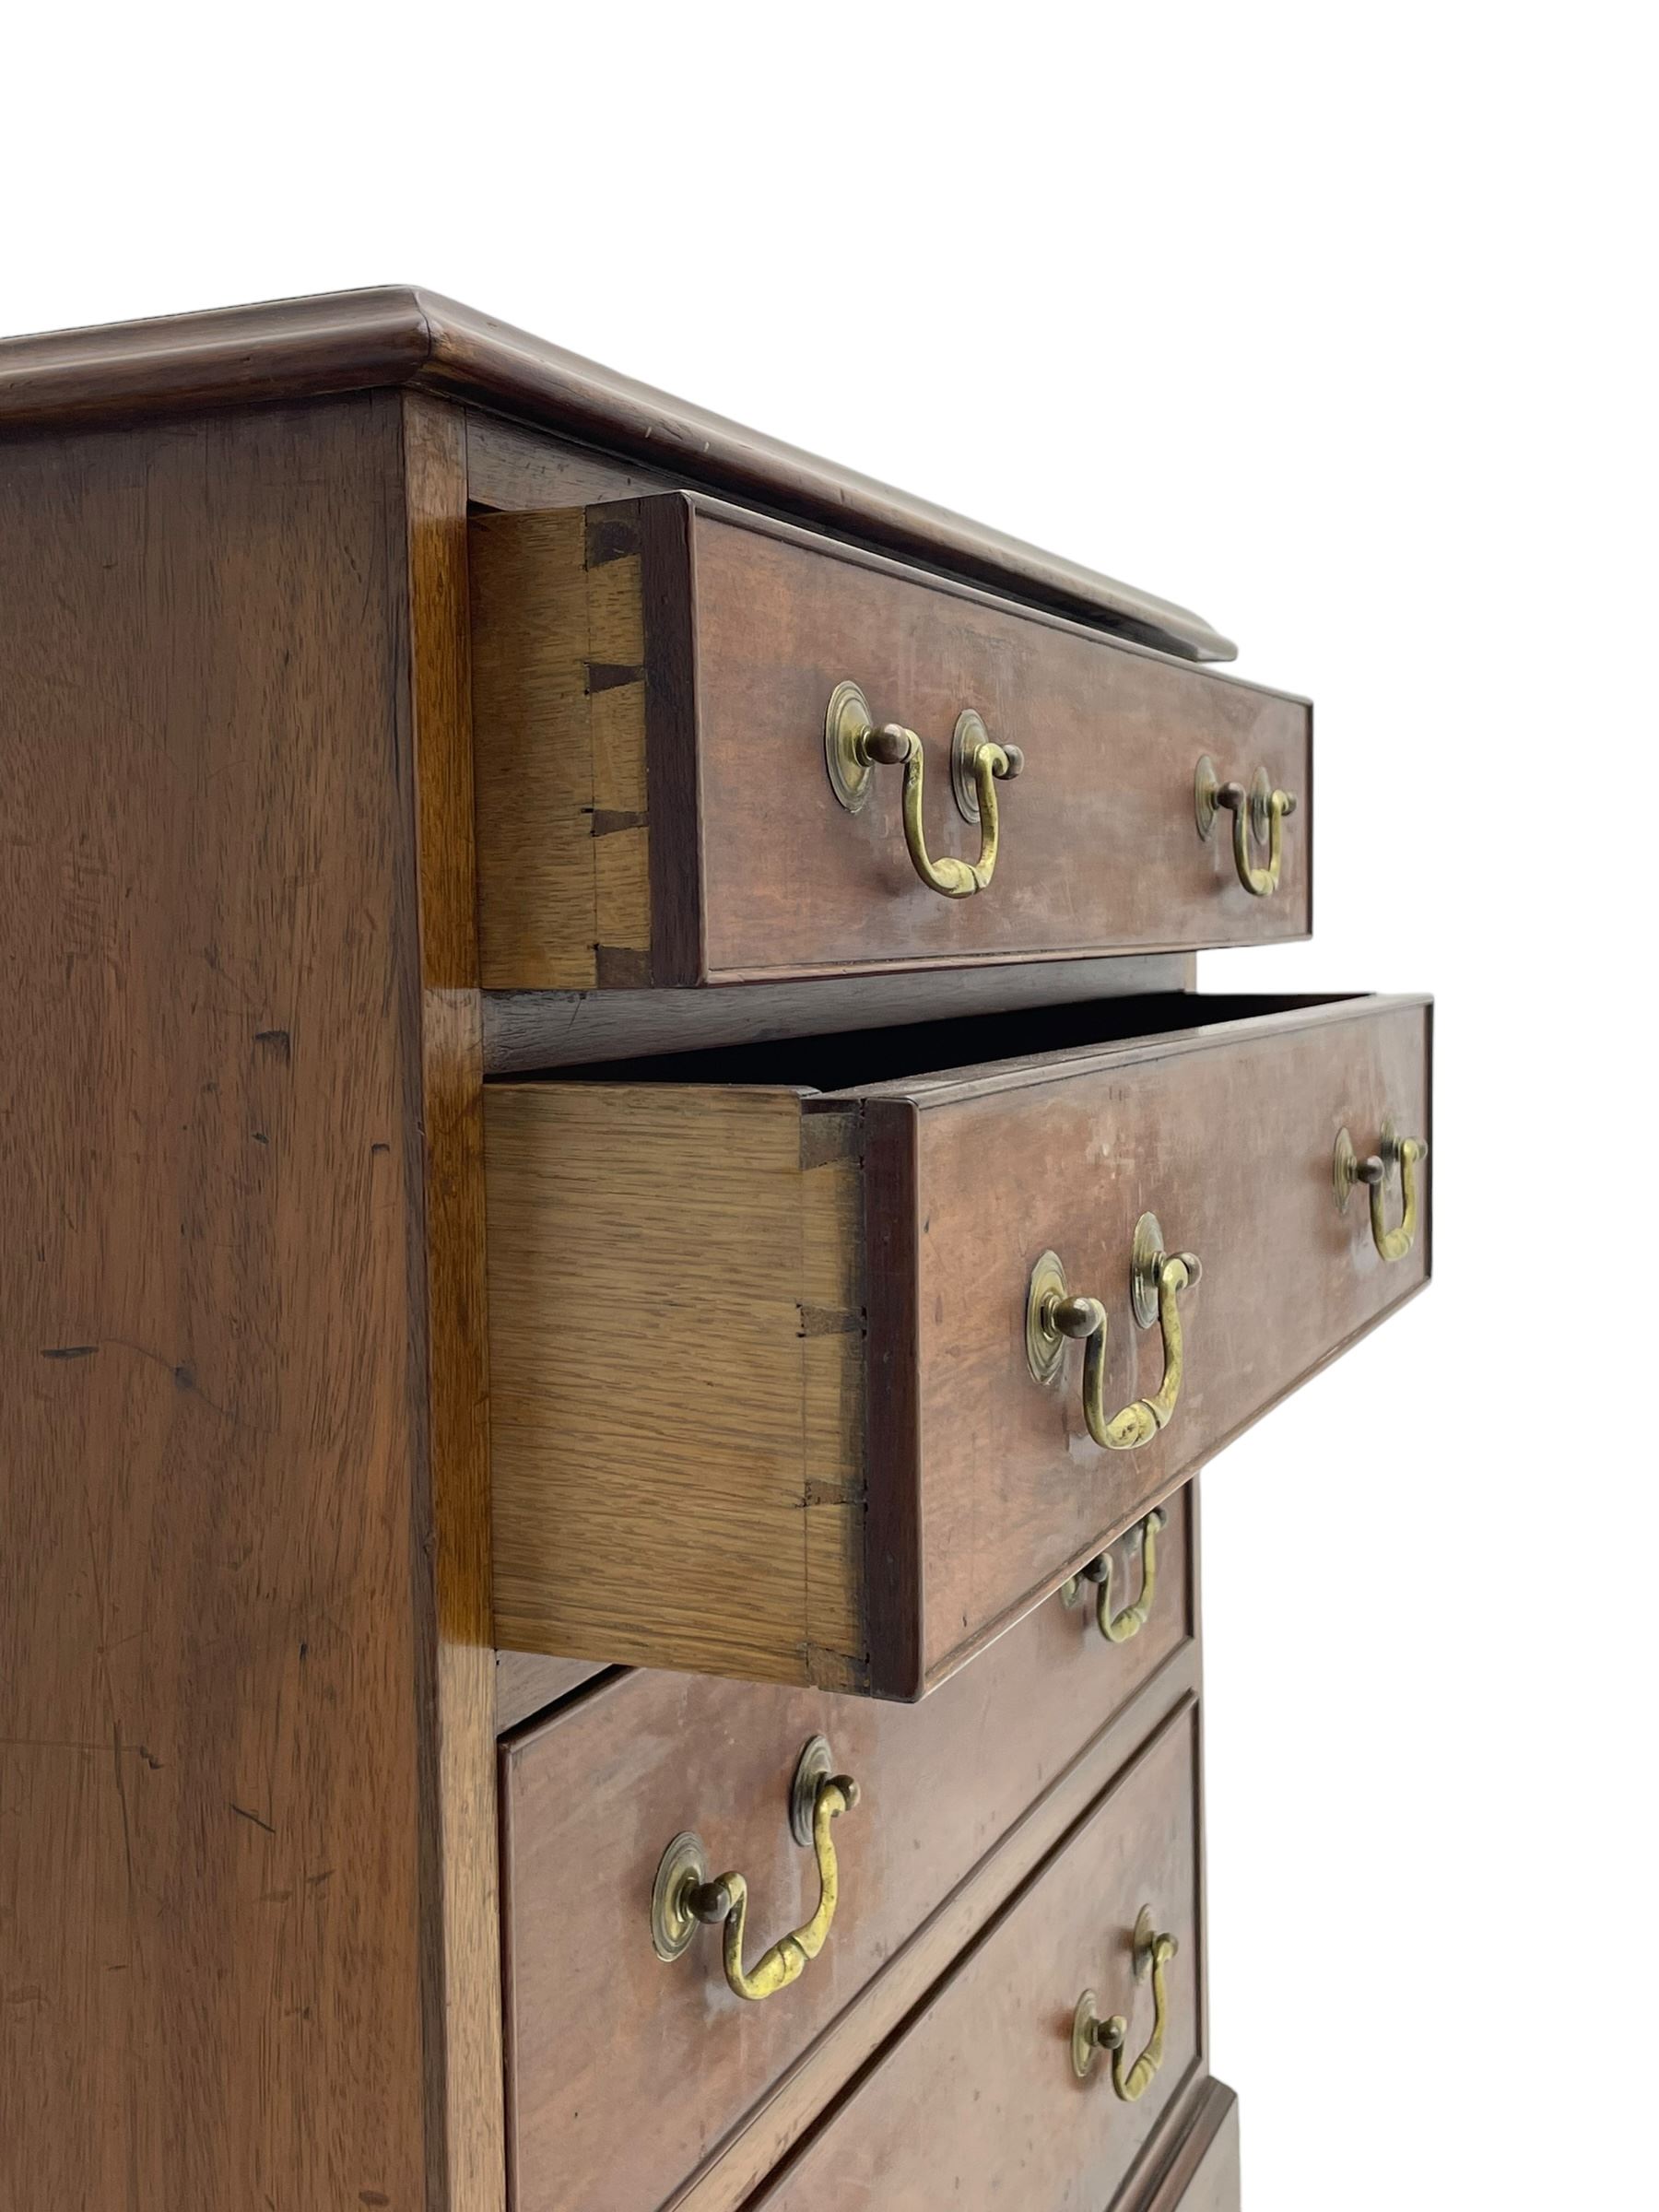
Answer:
(854, 1059)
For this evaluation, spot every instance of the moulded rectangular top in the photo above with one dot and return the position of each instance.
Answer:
(397, 334)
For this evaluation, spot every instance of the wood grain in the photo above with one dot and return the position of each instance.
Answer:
(396, 335)
(509, 466)
(528, 1682)
(722, 1443)
(239, 1895)
(1202, 2173)
(697, 729)
(604, 1785)
(535, 777)
(987, 2057)
(674, 1295)
(456, 1659)
(532, 1030)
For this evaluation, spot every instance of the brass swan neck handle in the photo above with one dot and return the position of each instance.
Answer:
(684, 1896)
(1119, 1627)
(1092, 2034)
(1158, 1278)
(1259, 811)
(855, 746)
(1377, 1172)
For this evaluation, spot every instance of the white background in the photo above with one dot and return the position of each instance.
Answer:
(1335, 324)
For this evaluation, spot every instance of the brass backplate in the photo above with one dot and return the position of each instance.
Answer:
(1345, 1162)
(1146, 1935)
(1083, 2042)
(682, 1868)
(971, 734)
(1388, 1150)
(815, 1765)
(846, 721)
(1207, 784)
(1045, 1347)
(1146, 1261)
(1261, 807)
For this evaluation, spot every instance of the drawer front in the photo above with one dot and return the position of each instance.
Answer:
(652, 682)
(600, 2027)
(978, 2103)
(1228, 1139)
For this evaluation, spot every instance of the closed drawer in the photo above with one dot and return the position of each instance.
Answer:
(653, 681)
(627, 2073)
(978, 2103)
(769, 1394)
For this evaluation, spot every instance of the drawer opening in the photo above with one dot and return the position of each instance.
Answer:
(851, 1058)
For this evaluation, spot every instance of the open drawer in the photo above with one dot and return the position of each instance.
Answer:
(813, 1363)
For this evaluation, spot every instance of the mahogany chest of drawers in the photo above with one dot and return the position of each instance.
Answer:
(628, 1232)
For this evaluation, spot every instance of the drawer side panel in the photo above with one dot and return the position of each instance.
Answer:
(560, 701)
(677, 1411)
